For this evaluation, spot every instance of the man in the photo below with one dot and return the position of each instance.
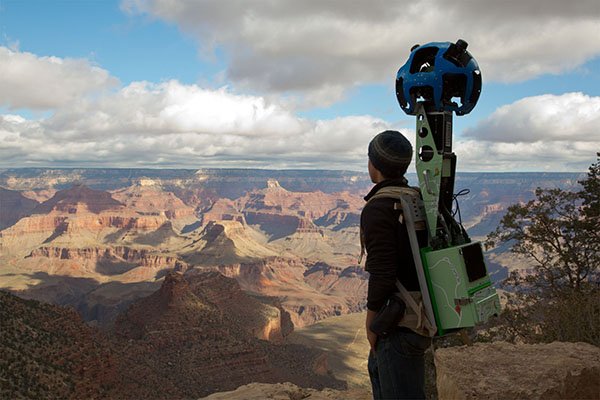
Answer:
(396, 362)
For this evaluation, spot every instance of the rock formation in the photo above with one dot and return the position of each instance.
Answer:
(201, 331)
(206, 330)
(224, 242)
(14, 206)
(220, 299)
(72, 216)
(308, 294)
(194, 336)
(132, 226)
(271, 207)
(87, 233)
(223, 210)
(148, 195)
(68, 201)
(501, 371)
(118, 244)
(287, 391)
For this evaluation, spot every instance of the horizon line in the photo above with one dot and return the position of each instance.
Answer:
(3, 169)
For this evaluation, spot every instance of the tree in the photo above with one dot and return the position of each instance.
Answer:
(590, 194)
(559, 231)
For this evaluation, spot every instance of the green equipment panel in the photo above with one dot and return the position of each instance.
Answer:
(460, 288)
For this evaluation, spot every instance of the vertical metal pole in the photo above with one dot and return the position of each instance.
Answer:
(441, 130)
(429, 169)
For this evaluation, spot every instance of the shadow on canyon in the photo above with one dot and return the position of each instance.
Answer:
(97, 303)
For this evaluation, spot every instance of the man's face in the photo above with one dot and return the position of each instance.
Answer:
(374, 173)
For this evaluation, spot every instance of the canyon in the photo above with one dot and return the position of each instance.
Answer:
(97, 240)
(193, 336)
(67, 248)
(208, 272)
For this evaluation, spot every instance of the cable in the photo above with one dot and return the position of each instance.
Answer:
(463, 192)
(461, 232)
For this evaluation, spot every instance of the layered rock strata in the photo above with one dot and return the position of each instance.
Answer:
(308, 295)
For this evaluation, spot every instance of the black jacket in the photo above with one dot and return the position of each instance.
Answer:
(389, 256)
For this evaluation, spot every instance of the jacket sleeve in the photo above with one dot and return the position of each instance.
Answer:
(379, 222)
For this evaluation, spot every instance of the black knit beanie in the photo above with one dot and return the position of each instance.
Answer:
(390, 152)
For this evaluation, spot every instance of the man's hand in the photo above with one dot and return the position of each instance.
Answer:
(371, 336)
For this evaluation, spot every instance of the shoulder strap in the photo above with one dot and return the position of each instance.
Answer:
(411, 197)
(393, 192)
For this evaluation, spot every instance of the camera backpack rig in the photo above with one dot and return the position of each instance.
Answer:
(439, 79)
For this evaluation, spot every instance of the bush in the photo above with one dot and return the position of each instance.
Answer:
(570, 316)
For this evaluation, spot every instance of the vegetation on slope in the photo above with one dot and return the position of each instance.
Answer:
(559, 299)
(47, 352)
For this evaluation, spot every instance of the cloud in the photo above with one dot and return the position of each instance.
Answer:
(300, 47)
(171, 124)
(548, 132)
(171, 107)
(176, 125)
(566, 117)
(32, 82)
(550, 156)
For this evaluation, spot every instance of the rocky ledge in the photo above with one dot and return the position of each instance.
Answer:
(502, 371)
(287, 391)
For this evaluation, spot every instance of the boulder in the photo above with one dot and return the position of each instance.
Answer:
(506, 371)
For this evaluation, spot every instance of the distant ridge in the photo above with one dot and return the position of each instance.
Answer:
(115, 178)
(96, 201)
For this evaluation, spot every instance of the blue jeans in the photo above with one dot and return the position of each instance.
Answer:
(397, 369)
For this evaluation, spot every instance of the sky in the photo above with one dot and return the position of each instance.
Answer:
(287, 84)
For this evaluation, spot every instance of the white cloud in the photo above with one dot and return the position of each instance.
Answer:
(175, 125)
(550, 156)
(302, 46)
(32, 82)
(172, 124)
(171, 107)
(548, 132)
(566, 117)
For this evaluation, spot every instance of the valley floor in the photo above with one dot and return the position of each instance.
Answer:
(344, 340)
